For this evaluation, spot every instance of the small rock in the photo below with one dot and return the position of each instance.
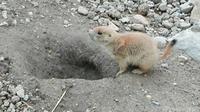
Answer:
(138, 27)
(184, 25)
(82, 10)
(121, 8)
(116, 100)
(3, 7)
(170, 1)
(4, 23)
(1, 102)
(148, 97)
(173, 10)
(182, 1)
(6, 82)
(182, 59)
(176, 4)
(157, 18)
(113, 26)
(186, 7)
(195, 28)
(174, 84)
(18, 104)
(150, 4)
(28, 20)
(96, 18)
(161, 41)
(4, 14)
(107, 22)
(64, 6)
(15, 99)
(125, 20)
(88, 110)
(165, 16)
(4, 93)
(66, 22)
(11, 108)
(2, 58)
(3, 98)
(163, 32)
(156, 1)
(163, 6)
(6, 103)
(155, 102)
(69, 111)
(34, 3)
(1, 85)
(30, 13)
(11, 89)
(143, 9)
(45, 111)
(115, 14)
(26, 97)
(14, 22)
(165, 65)
(127, 28)
(100, 9)
(57, 1)
(141, 19)
(20, 91)
(167, 24)
(175, 29)
(91, 15)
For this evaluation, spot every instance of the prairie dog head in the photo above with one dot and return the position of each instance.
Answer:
(102, 34)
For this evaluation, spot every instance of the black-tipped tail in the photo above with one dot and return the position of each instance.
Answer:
(168, 49)
(173, 42)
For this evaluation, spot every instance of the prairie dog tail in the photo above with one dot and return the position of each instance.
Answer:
(168, 49)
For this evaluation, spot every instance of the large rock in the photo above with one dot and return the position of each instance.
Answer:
(189, 41)
(138, 27)
(186, 7)
(82, 10)
(195, 14)
(140, 19)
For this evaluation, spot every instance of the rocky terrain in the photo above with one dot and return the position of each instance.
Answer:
(156, 17)
(33, 76)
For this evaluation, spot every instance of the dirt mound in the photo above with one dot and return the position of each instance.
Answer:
(70, 56)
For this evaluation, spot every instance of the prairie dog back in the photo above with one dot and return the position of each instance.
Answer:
(135, 48)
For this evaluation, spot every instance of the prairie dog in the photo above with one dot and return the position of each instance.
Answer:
(135, 48)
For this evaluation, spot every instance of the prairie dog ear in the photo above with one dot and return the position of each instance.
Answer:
(100, 33)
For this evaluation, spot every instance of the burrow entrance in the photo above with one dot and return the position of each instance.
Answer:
(69, 58)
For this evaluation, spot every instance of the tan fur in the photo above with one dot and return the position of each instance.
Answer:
(134, 48)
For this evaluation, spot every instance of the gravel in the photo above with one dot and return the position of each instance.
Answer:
(12, 95)
(20, 91)
(159, 15)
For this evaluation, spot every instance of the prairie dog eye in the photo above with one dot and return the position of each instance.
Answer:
(100, 33)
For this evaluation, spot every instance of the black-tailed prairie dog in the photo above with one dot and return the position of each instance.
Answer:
(135, 48)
